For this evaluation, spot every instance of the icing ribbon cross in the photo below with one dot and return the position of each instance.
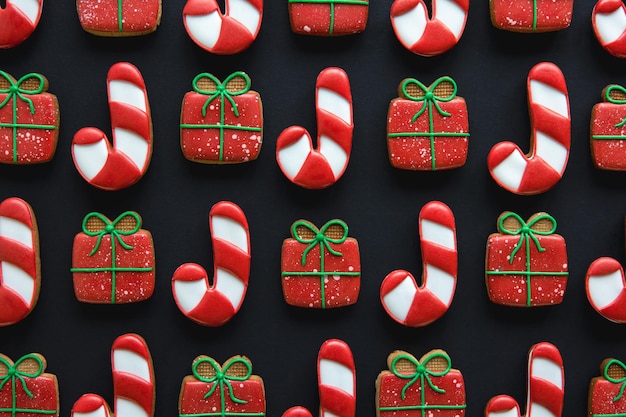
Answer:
(332, 4)
(621, 380)
(13, 375)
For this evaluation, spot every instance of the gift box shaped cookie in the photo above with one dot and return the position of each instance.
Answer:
(25, 390)
(321, 268)
(113, 261)
(526, 262)
(29, 119)
(228, 390)
(425, 387)
(119, 17)
(608, 130)
(427, 127)
(531, 15)
(221, 122)
(606, 392)
(328, 18)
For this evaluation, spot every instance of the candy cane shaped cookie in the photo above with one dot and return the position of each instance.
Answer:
(606, 289)
(20, 271)
(224, 34)
(214, 305)
(416, 306)
(120, 166)
(545, 387)
(425, 36)
(321, 167)
(133, 383)
(609, 24)
(18, 20)
(544, 166)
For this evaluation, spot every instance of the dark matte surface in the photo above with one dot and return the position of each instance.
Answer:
(486, 342)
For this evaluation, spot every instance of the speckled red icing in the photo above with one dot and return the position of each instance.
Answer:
(17, 22)
(102, 17)
(606, 396)
(521, 16)
(328, 19)
(608, 133)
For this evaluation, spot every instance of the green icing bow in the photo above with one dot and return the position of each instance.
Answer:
(429, 98)
(14, 375)
(320, 238)
(422, 373)
(621, 380)
(332, 4)
(608, 98)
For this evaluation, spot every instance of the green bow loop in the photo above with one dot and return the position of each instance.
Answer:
(222, 378)
(621, 380)
(429, 98)
(526, 231)
(110, 228)
(13, 372)
(421, 371)
(220, 89)
(16, 90)
(320, 237)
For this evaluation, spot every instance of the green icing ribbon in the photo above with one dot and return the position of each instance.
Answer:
(15, 92)
(110, 228)
(609, 99)
(15, 376)
(534, 15)
(119, 15)
(431, 101)
(223, 94)
(332, 4)
(612, 380)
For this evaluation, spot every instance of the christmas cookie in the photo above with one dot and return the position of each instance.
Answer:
(427, 36)
(226, 390)
(526, 263)
(221, 122)
(606, 392)
(18, 20)
(429, 386)
(113, 261)
(427, 127)
(324, 18)
(544, 165)
(606, 289)
(609, 24)
(20, 269)
(25, 389)
(133, 382)
(120, 166)
(400, 296)
(531, 15)
(321, 167)
(29, 119)
(214, 305)
(223, 33)
(119, 17)
(608, 130)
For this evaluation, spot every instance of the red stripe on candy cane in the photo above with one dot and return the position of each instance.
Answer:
(18, 20)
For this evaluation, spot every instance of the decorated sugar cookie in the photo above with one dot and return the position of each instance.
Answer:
(123, 164)
(29, 119)
(526, 262)
(608, 130)
(223, 33)
(133, 382)
(20, 269)
(531, 15)
(227, 390)
(541, 168)
(18, 20)
(324, 18)
(221, 122)
(545, 386)
(113, 260)
(606, 392)
(321, 167)
(609, 25)
(428, 386)
(119, 17)
(427, 127)
(214, 305)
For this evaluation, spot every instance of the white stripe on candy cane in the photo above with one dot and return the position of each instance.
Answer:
(610, 26)
(410, 26)
(16, 279)
(231, 231)
(17, 231)
(336, 375)
(605, 289)
(206, 29)
(451, 15)
(400, 299)
(125, 92)
(127, 361)
(30, 8)
(245, 13)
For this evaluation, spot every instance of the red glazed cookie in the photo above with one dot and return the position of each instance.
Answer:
(531, 15)
(221, 122)
(321, 268)
(608, 130)
(29, 119)
(324, 18)
(609, 24)
(427, 127)
(18, 20)
(606, 392)
(526, 262)
(113, 261)
(119, 17)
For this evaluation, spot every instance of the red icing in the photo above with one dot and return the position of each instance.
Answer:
(45, 396)
(315, 18)
(517, 15)
(616, 311)
(297, 411)
(88, 403)
(609, 154)
(15, 26)
(100, 17)
(602, 395)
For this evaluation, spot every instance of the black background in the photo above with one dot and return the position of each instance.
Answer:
(488, 343)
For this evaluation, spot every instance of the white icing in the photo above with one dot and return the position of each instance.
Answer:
(438, 234)
(16, 279)
(227, 229)
(101, 411)
(292, 157)
(127, 361)
(16, 230)
(604, 289)
(511, 170)
(538, 410)
(547, 370)
(610, 26)
(128, 408)
(246, 14)
(450, 14)
(334, 103)
(440, 283)
(551, 151)
(189, 293)
(336, 375)
(91, 158)
(549, 97)
(205, 29)
(335, 155)
(513, 412)
(127, 93)
(132, 145)
(31, 8)
(410, 26)
(400, 299)
(230, 286)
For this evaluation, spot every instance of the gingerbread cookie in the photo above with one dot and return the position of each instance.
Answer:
(113, 261)
(324, 18)
(609, 25)
(526, 263)
(531, 15)
(427, 127)
(221, 122)
(119, 17)
(608, 130)
(18, 20)
(29, 119)
(20, 268)
(606, 392)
